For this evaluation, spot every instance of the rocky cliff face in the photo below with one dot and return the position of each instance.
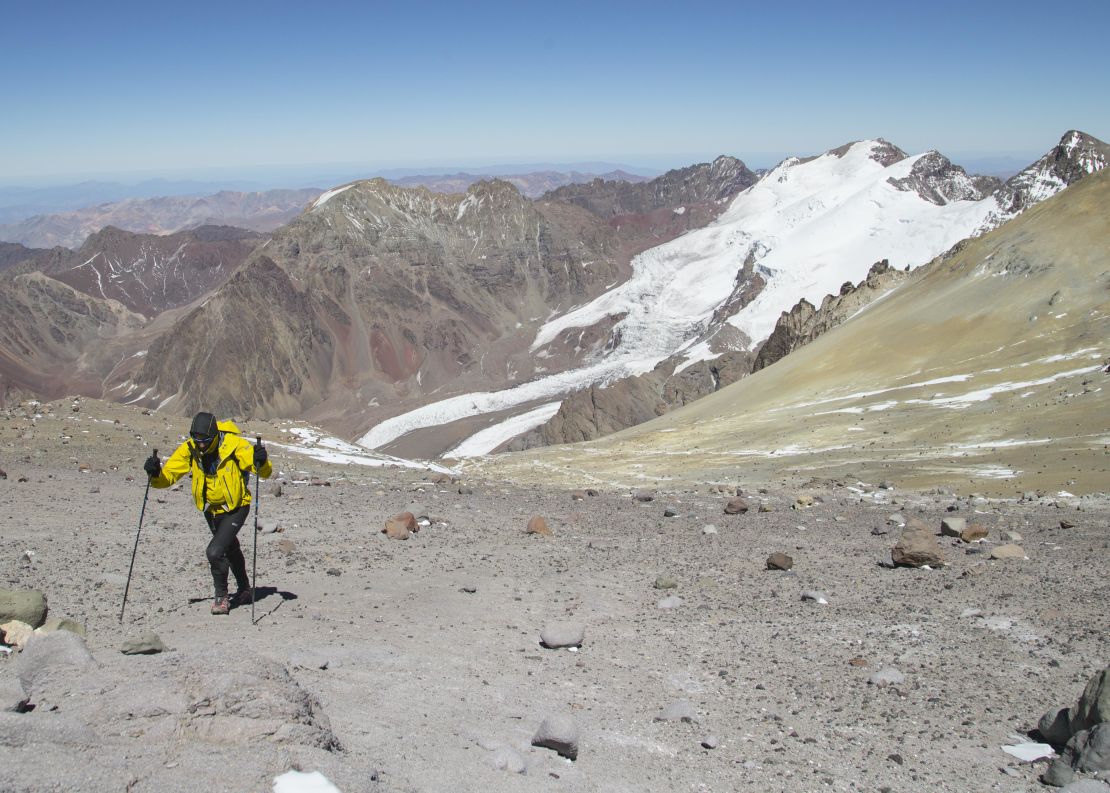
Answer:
(804, 323)
(1076, 155)
(149, 273)
(705, 183)
(602, 410)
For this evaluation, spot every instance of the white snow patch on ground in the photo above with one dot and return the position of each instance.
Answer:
(302, 782)
(490, 438)
(327, 449)
(328, 195)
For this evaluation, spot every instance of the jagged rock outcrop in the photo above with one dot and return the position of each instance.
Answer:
(1076, 155)
(804, 323)
(705, 183)
(936, 179)
(602, 410)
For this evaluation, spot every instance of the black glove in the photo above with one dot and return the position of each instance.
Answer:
(152, 466)
(260, 456)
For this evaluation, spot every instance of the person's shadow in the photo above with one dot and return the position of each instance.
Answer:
(261, 593)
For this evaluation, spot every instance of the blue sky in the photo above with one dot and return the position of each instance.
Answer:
(117, 88)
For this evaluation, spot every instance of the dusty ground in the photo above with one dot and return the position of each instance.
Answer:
(423, 678)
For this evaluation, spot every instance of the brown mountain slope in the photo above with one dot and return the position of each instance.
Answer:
(47, 330)
(150, 273)
(987, 370)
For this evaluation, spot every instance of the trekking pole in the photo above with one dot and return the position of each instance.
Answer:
(254, 560)
(136, 548)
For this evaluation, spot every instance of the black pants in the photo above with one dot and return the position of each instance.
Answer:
(224, 552)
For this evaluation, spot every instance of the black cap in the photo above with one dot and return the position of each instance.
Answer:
(204, 428)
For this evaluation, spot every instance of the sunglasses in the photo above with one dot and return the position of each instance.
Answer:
(201, 438)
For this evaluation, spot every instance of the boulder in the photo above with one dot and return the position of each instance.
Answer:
(60, 624)
(558, 732)
(974, 533)
(1094, 704)
(46, 655)
(779, 561)
(15, 633)
(148, 643)
(537, 525)
(736, 506)
(400, 526)
(25, 605)
(917, 547)
(951, 527)
(562, 634)
(1055, 726)
(1009, 551)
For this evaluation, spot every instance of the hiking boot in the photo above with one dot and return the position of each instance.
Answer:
(244, 597)
(221, 605)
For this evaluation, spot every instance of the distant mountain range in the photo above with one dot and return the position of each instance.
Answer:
(258, 211)
(428, 323)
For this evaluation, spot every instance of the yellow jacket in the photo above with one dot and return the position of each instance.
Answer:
(225, 490)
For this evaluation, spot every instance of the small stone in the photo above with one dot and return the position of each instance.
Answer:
(643, 496)
(779, 561)
(710, 529)
(886, 484)
(679, 710)
(803, 502)
(1086, 786)
(146, 644)
(1066, 524)
(268, 527)
(951, 527)
(1008, 552)
(896, 519)
(817, 597)
(765, 506)
(710, 742)
(666, 582)
(887, 676)
(558, 732)
(469, 589)
(671, 602)
(736, 506)
(562, 634)
(1009, 536)
(973, 533)
(537, 525)
(858, 662)
(670, 512)
(286, 546)
(578, 495)
(334, 571)
(275, 490)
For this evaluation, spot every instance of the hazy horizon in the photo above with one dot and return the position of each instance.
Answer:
(122, 88)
